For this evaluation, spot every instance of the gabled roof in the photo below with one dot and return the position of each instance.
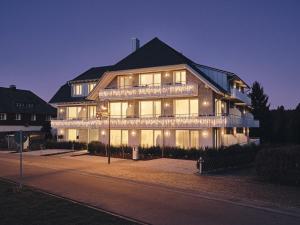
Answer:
(152, 54)
(14, 100)
(92, 74)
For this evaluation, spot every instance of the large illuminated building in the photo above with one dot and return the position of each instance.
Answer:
(155, 96)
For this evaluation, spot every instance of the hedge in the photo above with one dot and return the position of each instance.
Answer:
(227, 157)
(279, 164)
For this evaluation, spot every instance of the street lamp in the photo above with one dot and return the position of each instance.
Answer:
(107, 114)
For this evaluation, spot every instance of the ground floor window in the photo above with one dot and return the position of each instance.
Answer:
(93, 135)
(187, 138)
(118, 137)
(151, 138)
(72, 134)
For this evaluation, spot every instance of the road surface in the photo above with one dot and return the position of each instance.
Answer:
(149, 203)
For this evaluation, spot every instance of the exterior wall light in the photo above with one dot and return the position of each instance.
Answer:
(61, 110)
(103, 132)
(61, 131)
(205, 103)
(167, 74)
(167, 104)
(167, 133)
(133, 133)
(204, 133)
(103, 107)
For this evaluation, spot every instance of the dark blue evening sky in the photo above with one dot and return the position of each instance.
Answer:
(45, 43)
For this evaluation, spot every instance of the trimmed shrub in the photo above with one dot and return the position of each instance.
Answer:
(279, 165)
(98, 148)
(65, 145)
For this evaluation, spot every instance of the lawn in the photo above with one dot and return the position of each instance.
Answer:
(28, 207)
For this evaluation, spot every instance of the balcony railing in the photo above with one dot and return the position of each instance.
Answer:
(159, 122)
(240, 96)
(154, 91)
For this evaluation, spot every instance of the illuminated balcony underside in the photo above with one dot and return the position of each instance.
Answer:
(166, 91)
(159, 123)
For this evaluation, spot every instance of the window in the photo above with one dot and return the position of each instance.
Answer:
(118, 137)
(186, 107)
(239, 130)
(91, 87)
(93, 135)
(220, 107)
(76, 112)
(48, 117)
(187, 139)
(150, 108)
(150, 79)
(92, 112)
(77, 89)
(125, 81)
(2, 116)
(18, 116)
(182, 138)
(118, 109)
(33, 117)
(179, 77)
(72, 134)
(151, 138)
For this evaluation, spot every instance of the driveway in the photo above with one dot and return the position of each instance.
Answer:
(92, 182)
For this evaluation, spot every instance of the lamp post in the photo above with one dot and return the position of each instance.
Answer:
(106, 108)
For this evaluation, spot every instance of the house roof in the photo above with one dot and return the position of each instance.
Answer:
(92, 74)
(14, 100)
(153, 54)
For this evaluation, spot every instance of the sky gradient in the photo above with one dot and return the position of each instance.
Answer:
(43, 44)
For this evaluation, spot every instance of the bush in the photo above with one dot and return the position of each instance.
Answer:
(98, 148)
(65, 145)
(280, 164)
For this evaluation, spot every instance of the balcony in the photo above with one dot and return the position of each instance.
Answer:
(159, 123)
(235, 93)
(140, 92)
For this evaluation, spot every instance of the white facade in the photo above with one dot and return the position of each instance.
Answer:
(165, 106)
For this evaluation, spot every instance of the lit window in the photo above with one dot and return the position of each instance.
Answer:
(125, 81)
(92, 112)
(77, 89)
(194, 139)
(151, 138)
(150, 108)
(150, 79)
(72, 135)
(2, 116)
(182, 138)
(76, 112)
(18, 116)
(186, 107)
(179, 77)
(118, 109)
(91, 87)
(93, 135)
(33, 117)
(118, 137)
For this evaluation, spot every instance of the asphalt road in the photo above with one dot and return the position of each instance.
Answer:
(151, 204)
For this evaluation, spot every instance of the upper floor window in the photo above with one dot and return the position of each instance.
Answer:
(18, 116)
(179, 77)
(77, 89)
(150, 108)
(150, 79)
(125, 81)
(76, 112)
(33, 117)
(118, 109)
(186, 107)
(92, 112)
(91, 87)
(2, 116)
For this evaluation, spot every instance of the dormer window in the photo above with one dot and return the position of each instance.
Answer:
(77, 89)
(91, 86)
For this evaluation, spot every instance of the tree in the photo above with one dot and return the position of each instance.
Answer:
(261, 111)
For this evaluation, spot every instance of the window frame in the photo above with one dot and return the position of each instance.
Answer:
(3, 116)
(76, 92)
(18, 116)
(33, 117)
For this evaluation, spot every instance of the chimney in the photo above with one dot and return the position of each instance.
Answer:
(135, 44)
(13, 87)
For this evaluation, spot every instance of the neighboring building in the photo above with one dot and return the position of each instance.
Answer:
(155, 96)
(22, 110)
